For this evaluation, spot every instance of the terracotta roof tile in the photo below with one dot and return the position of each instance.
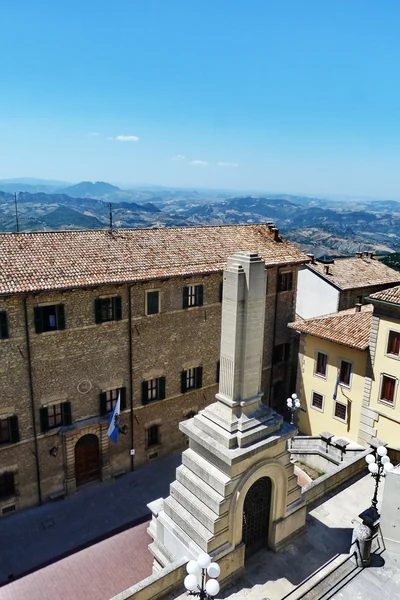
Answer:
(352, 273)
(346, 327)
(391, 295)
(62, 259)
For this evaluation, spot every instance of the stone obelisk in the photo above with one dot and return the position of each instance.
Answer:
(233, 443)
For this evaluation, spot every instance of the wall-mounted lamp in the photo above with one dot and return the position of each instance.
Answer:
(53, 451)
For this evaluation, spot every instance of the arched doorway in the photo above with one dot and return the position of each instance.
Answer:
(256, 510)
(87, 460)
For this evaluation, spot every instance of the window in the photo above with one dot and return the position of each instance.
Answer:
(340, 411)
(152, 303)
(7, 485)
(3, 325)
(193, 295)
(109, 399)
(108, 309)
(9, 432)
(191, 379)
(55, 415)
(153, 436)
(281, 353)
(317, 401)
(49, 318)
(345, 372)
(285, 282)
(393, 346)
(320, 364)
(388, 389)
(153, 389)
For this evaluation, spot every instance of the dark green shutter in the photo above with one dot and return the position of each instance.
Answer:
(117, 308)
(199, 295)
(199, 377)
(185, 297)
(97, 310)
(38, 319)
(144, 392)
(66, 413)
(123, 398)
(161, 388)
(14, 431)
(152, 303)
(60, 316)
(221, 290)
(290, 284)
(218, 370)
(183, 382)
(44, 419)
(3, 325)
(103, 403)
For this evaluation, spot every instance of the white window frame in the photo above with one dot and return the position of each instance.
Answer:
(315, 365)
(385, 402)
(395, 356)
(321, 410)
(345, 385)
(334, 408)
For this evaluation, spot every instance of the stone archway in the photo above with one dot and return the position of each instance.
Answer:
(256, 516)
(87, 459)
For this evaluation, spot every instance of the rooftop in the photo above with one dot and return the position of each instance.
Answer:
(391, 295)
(347, 327)
(64, 259)
(358, 272)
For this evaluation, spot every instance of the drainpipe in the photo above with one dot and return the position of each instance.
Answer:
(130, 371)
(28, 350)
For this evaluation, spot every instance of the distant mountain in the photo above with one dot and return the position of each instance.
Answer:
(87, 188)
(64, 217)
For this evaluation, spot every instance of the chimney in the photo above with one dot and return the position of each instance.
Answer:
(366, 254)
(358, 254)
(275, 233)
(358, 307)
(371, 255)
(270, 224)
(312, 258)
(326, 269)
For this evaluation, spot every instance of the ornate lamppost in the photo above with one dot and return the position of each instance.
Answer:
(293, 404)
(200, 567)
(378, 467)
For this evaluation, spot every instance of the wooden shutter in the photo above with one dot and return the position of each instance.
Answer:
(161, 388)
(66, 413)
(199, 377)
(14, 431)
(199, 295)
(183, 382)
(144, 392)
(185, 297)
(117, 308)
(60, 316)
(123, 398)
(97, 310)
(44, 419)
(103, 403)
(38, 319)
(3, 325)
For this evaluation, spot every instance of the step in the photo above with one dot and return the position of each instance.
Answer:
(197, 508)
(202, 490)
(208, 473)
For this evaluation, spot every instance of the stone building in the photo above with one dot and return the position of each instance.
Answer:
(86, 315)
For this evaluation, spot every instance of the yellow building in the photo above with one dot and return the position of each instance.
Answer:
(333, 357)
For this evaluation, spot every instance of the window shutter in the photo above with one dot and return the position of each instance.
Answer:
(161, 388)
(199, 294)
(3, 325)
(185, 297)
(183, 382)
(103, 403)
(144, 392)
(218, 370)
(44, 419)
(118, 308)
(123, 398)
(221, 290)
(97, 310)
(14, 431)
(199, 377)
(66, 413)
(60, 316)
(38, 319)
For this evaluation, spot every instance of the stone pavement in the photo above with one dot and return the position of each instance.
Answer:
(40, 535)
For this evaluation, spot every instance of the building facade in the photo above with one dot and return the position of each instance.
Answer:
(88, 316)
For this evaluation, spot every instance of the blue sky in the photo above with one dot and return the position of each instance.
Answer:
(273, 95)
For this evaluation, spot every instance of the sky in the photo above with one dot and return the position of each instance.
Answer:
(290, 96)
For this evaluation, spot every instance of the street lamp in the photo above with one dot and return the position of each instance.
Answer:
(293, 404)
(378, 467)
(205, 590)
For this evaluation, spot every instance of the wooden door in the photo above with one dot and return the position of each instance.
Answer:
(87, 460)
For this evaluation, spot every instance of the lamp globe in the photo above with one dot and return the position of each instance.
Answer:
(373, 468)
(193, 567)
(370, 458)
(212, 587)
(213, 570)
(190, 582)
(204, 560)
(382, 451)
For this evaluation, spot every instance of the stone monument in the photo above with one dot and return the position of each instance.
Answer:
(235, 490)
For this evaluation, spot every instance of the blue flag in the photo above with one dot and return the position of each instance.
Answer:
(113, 429)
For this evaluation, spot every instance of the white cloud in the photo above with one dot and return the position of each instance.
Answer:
(199, 163)
(178, 157)
(127, 138)
(227, 164)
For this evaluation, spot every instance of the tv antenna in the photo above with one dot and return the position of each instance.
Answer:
(16, 210)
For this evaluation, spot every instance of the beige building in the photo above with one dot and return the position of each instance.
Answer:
(86, 315)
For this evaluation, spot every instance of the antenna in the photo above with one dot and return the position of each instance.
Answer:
(16, 210)
(111, 222)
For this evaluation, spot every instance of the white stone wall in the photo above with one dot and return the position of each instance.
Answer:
(315, 296)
